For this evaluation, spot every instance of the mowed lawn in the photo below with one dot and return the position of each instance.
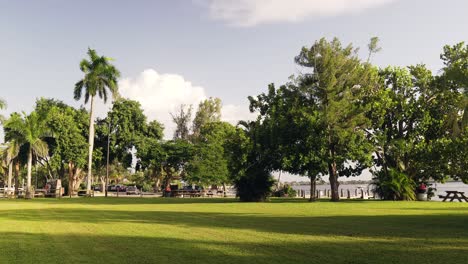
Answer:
(158, 230)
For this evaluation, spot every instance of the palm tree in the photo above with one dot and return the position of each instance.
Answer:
(28, 130)
(99, 77)
(9, 152)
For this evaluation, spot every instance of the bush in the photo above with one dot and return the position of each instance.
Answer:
(146, 187)
(285, 191)
(255, 185)
(394, 186)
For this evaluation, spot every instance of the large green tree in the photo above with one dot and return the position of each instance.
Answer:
(296, 139)
(338, 82)
(209, 164)
(67, 149)
(131, 136)
(100, 78)
(249, 164)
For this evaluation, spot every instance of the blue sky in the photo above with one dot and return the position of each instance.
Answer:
(181, 51)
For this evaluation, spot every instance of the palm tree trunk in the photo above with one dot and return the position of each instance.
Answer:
(28, 177)
(91, 146)
(10, 174)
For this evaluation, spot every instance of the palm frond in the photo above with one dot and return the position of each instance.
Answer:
(78, 90)
(40, 148)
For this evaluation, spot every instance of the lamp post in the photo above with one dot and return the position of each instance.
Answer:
(107, 161)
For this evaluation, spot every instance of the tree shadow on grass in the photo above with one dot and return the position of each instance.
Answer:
(128, 200)
(80, 248)
(401, 226)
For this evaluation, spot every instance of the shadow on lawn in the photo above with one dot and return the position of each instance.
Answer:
(400, 226)
(80, 248)
(128, 200)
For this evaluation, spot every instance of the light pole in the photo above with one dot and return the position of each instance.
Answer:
(107, 162)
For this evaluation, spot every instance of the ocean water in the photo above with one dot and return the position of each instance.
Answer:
(441, 188)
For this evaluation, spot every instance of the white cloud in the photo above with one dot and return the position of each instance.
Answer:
(161, 94)
(253, 12)
(234, 113)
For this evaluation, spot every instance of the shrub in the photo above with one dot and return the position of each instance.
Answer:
(255, 185)
(285, 191)
(394, 185)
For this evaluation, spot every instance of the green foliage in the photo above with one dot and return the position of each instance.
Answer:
(394, 185)
(336, 88)
(285, 191)
(248, 164)
(99, 76)
(68, 125)
(208, 111)
(209, 164)
(255, 185)
(28, 132)
(127, 125)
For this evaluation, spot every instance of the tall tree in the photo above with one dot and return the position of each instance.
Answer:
(338, 82)
(9, 154)
(67, 150)
(248, 164)
(182, 119)
(209, 164)
(29, 130)
(100, 77)
(209, 110)
(296, 139)
(455, 71)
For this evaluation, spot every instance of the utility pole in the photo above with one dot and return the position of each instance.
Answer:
(107, 163)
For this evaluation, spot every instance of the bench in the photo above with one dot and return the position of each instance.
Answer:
(460, 196)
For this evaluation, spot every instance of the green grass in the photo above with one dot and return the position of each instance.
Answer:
(126, 230)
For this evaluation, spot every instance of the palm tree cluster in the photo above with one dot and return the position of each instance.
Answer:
(26, 134)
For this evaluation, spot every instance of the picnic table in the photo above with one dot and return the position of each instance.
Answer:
(186, 193)
(452, 195)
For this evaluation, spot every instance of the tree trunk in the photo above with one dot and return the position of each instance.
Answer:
(76, 180)
(28, 176)
(334, 184)
(17, 169)
(156, 184)
(313, 189)
(224, 190)
(10, 175)
(70, 179)
(91, 146)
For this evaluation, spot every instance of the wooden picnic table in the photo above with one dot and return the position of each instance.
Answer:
(460, 196)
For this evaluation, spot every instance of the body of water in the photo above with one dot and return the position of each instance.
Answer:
(441, 188)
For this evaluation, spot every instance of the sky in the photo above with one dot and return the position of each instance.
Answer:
(182, 51)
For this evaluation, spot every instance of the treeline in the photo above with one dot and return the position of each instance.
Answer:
(341, 116)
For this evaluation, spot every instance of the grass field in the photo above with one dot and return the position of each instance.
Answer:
(126, 230)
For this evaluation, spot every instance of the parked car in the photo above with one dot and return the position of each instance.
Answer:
(132, 190)
(121, 188)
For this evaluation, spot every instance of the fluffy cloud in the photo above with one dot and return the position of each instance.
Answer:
(252, 12)
(161, 94)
